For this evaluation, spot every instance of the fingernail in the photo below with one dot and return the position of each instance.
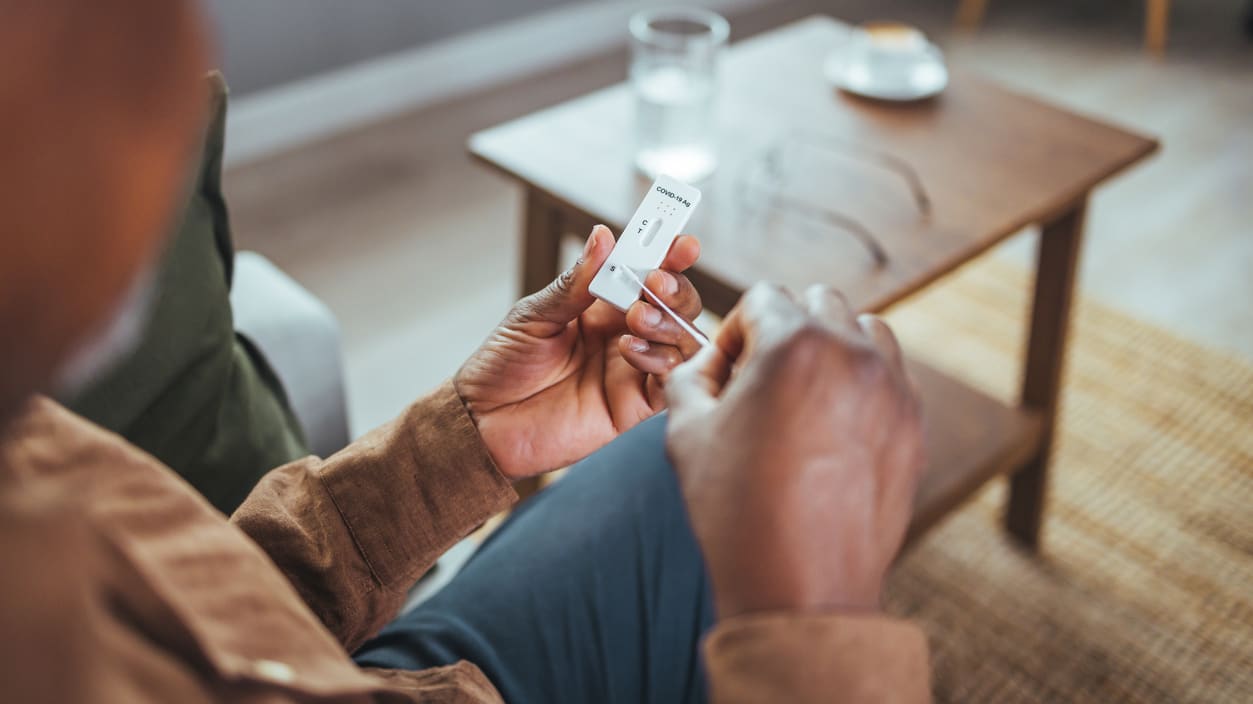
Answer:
(652, 316)
(636, 344)
(591, 241)
(669, 284)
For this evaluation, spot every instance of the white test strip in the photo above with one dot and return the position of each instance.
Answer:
(660, 217)
(687, 327)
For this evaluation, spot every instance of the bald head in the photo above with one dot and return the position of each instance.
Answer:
(102, 107)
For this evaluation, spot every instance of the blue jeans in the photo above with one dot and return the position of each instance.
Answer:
(592, 591)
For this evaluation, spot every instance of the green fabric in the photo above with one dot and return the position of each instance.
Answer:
(194, 393)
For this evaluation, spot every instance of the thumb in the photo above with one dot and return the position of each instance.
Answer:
(693, 387)
(547, 311)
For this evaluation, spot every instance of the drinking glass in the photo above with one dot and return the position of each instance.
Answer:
(674, 67)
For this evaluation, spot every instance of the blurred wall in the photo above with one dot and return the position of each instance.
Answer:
(267, 42)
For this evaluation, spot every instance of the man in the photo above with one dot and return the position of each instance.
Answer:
(795, 445)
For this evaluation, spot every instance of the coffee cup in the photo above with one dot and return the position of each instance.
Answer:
(888, 52)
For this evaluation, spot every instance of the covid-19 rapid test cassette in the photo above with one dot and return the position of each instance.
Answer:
(663, 213)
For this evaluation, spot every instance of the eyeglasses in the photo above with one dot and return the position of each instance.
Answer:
(764, 184)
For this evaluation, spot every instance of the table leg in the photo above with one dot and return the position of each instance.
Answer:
(1056, 263)
(970, 14)
(1156, 24)
(541, 242)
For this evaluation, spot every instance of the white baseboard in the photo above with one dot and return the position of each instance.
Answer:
(284, 117)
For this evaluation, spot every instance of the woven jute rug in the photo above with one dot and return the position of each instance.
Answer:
(1143, 590)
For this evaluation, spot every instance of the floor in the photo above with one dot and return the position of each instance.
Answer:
(415, 248)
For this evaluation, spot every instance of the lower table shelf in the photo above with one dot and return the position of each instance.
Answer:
(971, 438)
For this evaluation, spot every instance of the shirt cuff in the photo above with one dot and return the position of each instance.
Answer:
(818, 657)
(412, 488)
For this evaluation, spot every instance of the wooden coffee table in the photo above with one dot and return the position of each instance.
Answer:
(935, 184)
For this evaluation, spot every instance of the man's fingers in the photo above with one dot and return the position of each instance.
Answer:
(764, 315)
(676, 291)
(831, 307)
(649, 357)
(684, 252)
(547, 311)
(883, 339)
(649, 322)
(693, 386)
(763, 312)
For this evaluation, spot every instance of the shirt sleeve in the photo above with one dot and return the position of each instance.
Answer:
(832, 657)
(353, 532)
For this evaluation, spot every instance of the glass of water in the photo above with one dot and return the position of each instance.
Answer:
(674, 66)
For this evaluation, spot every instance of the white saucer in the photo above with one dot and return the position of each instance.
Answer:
(927, 77)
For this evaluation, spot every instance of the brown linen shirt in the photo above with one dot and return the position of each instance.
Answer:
(119, 583)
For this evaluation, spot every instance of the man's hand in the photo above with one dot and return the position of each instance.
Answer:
(798, 443)
(565, 373)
